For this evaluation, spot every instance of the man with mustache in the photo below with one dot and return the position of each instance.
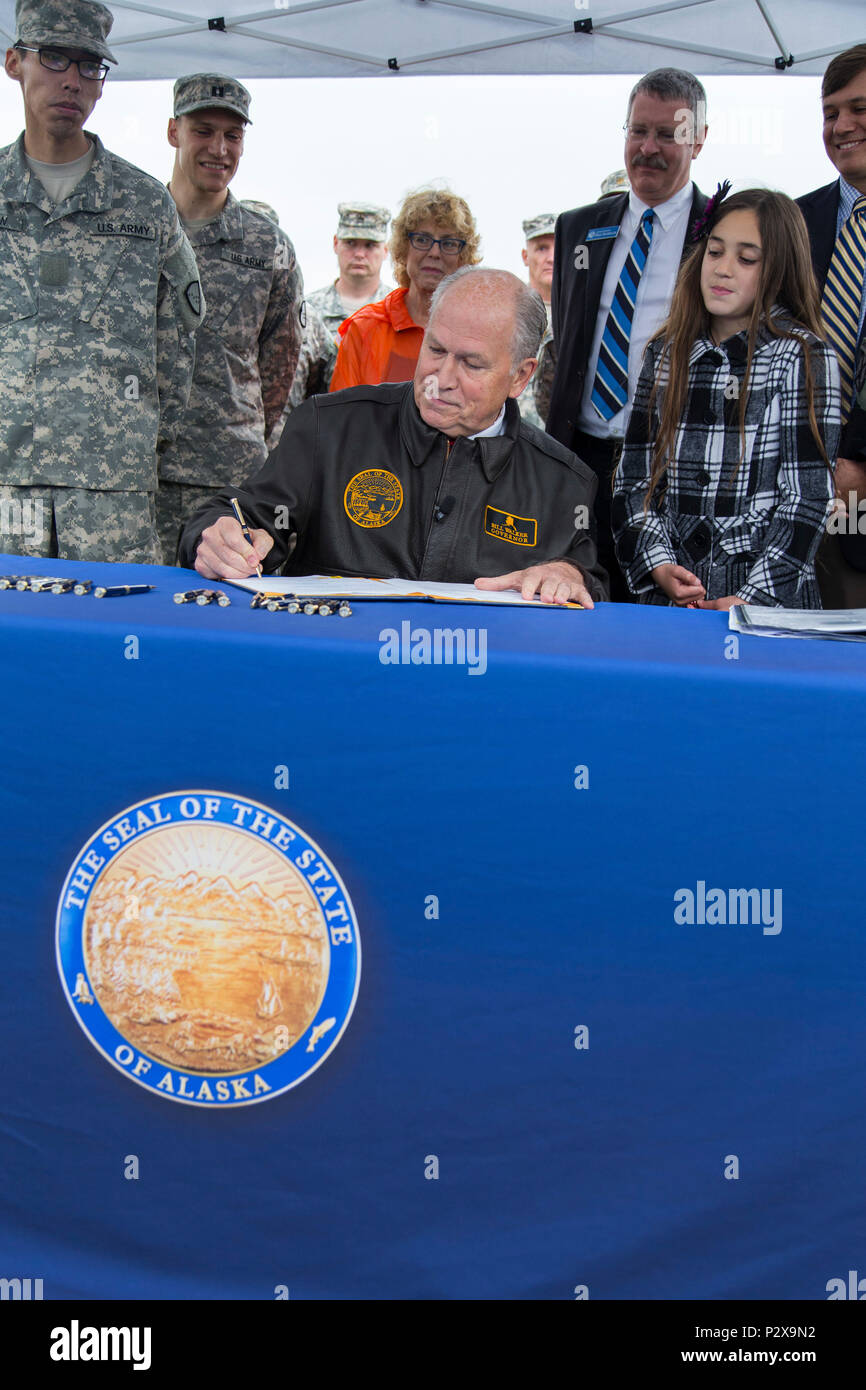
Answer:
(100, 299)
(615, 266)
(433, 479)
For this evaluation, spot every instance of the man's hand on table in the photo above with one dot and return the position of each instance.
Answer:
(224, 554)
(555, 582)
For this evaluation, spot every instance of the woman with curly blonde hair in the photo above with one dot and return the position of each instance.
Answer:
(433, 234)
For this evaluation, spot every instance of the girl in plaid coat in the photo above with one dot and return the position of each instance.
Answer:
(725, 480)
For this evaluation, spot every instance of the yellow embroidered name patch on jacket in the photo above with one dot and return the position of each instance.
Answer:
(373, 498)
(505, 526)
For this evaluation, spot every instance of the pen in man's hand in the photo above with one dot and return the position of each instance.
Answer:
(246, 530)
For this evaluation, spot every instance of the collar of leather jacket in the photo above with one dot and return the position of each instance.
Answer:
(422, 440)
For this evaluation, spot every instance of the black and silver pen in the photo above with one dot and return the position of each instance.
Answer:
(121, 590)
(239, 516)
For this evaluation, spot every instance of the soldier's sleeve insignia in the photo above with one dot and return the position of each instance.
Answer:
(181, 272)
(193, 297)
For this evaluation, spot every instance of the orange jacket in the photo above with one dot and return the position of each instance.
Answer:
(380, 342)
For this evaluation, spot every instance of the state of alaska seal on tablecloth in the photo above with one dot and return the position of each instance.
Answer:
(208, 948)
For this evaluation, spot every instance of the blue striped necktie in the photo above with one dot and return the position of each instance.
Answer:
(610, 388)
(843, 295)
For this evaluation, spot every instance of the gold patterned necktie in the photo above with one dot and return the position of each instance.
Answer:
(843, 294)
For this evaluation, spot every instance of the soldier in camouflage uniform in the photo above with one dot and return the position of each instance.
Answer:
(359, 226)
(100, 296)
(318, 353)
(248, 349)
(539, 234)
(316, 363)
(263, 209)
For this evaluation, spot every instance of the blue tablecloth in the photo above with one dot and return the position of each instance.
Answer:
(619, 1101)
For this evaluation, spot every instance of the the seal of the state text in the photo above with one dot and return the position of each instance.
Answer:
(208, 948)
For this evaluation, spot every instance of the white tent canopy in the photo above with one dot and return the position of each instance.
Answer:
(355, 38)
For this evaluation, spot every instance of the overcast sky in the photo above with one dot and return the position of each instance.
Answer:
(511, 146)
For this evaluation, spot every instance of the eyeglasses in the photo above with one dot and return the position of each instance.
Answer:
(55, 61)
(448, 245)
(683, 135)
(664, 137)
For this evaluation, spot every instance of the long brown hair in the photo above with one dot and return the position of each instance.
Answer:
(786, 279)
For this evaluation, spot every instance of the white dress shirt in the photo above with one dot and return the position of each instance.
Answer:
(498, 427)
(654, 294)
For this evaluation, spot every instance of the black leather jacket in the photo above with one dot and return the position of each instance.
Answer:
(369, 489)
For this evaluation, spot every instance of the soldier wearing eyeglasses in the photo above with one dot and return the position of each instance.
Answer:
(432, 235)
(100, 300)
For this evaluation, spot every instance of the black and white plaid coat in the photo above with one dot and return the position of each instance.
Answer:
(751, 528)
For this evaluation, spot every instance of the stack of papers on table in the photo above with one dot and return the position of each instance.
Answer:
(840, 624)
(324, 586)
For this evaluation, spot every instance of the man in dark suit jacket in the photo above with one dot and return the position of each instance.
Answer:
(665, 131)
(843, 96)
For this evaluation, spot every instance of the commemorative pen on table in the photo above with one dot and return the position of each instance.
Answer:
(121, 590)
(239, 516)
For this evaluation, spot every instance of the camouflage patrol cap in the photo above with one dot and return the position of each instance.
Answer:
(263, 209)
(362, 222)
(617, 182)
(542, 225)
(65, 24)
(202, 91)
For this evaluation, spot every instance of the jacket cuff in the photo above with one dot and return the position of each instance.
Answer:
(592, 582)
(639, 572)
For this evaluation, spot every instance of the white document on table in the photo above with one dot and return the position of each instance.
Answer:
(335, 586)
(843, 624)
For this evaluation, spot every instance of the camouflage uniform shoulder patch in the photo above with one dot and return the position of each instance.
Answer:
(181, 271)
